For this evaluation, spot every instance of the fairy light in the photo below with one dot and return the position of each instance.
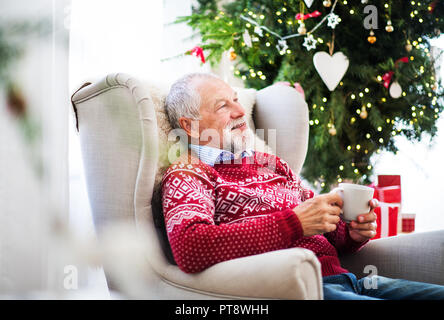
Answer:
(341, 167)
(353, 97)
(349, 148)
(368, 135)
(379, 129)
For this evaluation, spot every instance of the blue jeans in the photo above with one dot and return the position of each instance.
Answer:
(347, 287)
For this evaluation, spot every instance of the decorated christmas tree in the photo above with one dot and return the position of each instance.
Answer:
(367, 67)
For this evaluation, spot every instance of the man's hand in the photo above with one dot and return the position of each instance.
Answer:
(320, 214)
(365, 227)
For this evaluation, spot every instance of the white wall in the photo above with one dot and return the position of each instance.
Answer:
(31, 205)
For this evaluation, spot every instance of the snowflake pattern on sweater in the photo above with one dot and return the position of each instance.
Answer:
(232, 210)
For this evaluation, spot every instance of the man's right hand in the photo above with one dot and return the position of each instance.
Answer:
(320, 214)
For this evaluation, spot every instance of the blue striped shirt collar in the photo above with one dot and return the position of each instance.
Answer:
(211, 155)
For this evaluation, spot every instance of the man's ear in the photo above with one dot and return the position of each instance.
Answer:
(190, 126)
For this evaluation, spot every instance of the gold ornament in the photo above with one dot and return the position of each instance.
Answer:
(327, 3)
(332, 130)
(389, 27)
(371, 38)
(232, 54)
(363, 113)
(408, 46)
(302, 29)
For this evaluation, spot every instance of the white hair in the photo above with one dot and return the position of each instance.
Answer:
(183, 100)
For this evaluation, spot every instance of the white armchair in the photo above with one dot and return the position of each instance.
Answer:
(123, 138)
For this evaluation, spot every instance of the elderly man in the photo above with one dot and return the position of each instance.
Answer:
(223, 201)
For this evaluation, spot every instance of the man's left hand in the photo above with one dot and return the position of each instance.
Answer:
(365, 227)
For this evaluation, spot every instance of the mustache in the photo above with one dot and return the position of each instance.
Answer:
(236, 123)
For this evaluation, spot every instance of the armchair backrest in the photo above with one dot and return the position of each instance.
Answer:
(123, 130)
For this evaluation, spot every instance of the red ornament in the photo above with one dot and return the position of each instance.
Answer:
(387, 77)
(301, 16)
(198, 52)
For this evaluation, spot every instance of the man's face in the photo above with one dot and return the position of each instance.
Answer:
(223, 124)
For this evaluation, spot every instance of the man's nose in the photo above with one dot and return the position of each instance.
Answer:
(237, 111)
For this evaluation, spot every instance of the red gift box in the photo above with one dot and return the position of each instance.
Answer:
(387, 180)
(387, 220)
(388, 188)
(408, 222)
(391, 194)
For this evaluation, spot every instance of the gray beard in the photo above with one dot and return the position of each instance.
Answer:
(237, 141)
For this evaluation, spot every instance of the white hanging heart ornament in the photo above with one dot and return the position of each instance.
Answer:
(331, 69)
(308, 3)
(395, 90)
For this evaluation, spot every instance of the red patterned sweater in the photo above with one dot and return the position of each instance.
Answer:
(213, 214)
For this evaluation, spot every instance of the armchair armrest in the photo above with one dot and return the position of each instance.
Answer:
(283, 274)
(417, 257)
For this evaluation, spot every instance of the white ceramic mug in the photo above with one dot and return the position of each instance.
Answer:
(355, 199)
